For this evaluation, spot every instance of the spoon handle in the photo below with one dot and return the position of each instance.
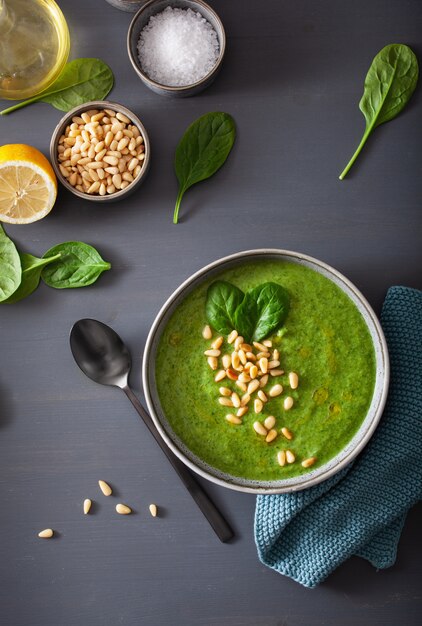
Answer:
(208, 508)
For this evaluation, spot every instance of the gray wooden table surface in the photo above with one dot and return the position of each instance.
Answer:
(292, 79)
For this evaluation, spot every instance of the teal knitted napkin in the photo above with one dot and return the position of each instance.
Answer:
(361, 510)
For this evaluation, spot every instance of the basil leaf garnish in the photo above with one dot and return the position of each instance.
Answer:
(10, 266)
(223, 299)
(202, 150)
(79, 265)
(263, 309)
(389, 84)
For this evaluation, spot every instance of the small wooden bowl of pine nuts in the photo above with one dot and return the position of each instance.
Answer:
(100, 151)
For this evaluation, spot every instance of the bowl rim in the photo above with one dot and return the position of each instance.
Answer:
(64, 121)
(176, 88)
(346, 455)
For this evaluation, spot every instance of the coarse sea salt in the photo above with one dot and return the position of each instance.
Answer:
(178, 47)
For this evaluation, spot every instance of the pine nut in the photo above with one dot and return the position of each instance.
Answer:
(281, 458)
(246, 347)
(122, 118)
(153, 510)
(87, 506)
(263, 380)
(117, 180)
(276, 391)
(276, 372)
(269, 422)
(220, 375)
(257, 405)
(132, 164)
(245, 399)
(227, 361)
(238, 342)
(217, 343)
(232, 336)
(290, 457)
(262, 355)
(263, 364)
(251, 356)
(276, 355)
(242, 386)
(214, 353)
(247, 366)
(267, 343)
(235, 400)
(260, 429)
(293, 380)
(105, 488)
(308, 462)
(271, 436)
(244, 378)
(233, 419)
(253, 386)
(231, 374)
(286, 433)
(288, 403)
(273, 364)
(262, 396)
(235, 360)
(225, 391)
(242, 411)
(253, 371)
(242, 357)
(94, 187)
(225, 401)
(259, 346)
(123, 509)
(212, 362)
(46, 534)
(207, 332)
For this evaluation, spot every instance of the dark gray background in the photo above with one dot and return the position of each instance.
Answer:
(292, 79)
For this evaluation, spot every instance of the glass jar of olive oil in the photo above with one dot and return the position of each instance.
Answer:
(34, 46)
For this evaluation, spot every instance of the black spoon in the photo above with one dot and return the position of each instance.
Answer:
(103, 357)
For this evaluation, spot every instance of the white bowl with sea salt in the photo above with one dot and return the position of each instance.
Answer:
(176, 47)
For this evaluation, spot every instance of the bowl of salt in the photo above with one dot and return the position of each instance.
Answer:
(176, 47)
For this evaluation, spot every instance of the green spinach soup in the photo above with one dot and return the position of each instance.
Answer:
(274, 407)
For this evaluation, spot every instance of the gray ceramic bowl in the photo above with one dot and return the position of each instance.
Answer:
(141, 19)
(67, 120)
(321, 473)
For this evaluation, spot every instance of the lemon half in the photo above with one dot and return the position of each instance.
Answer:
(28, 185)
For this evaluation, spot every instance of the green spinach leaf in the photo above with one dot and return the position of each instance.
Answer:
(79, 265)
(263, 309)
(80, 81)
(31, 274)
(10, 266)
(223, 298)
(202, 150)
(389, 84)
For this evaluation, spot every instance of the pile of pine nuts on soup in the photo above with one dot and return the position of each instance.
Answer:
(101, 152)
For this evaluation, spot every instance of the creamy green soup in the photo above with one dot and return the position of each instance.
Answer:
(324, 339)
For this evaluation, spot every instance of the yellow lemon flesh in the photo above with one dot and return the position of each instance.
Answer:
(28, 185)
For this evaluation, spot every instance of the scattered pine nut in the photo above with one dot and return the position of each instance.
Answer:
(262, 396)
(105, 488)
(242, 357)
(213, 353)
(276, 391)
(262, 355)
(46, 534)
(251, 356)
(290, 457)
(258, 405)
(153, 510)
(269, 422)
(123, 509)
(286, 433)
(233, 419)
(242, 411)
(87, 506)
(233, 335)
(263, 364)
(253, 386)
(232, 374)
(244, 400)
(217, 343)
(236, 400)
(275, 355)
(235, 361)
(212, 362)
(225, 391)
(271, 436)
(281, 458)
(273, 365)
(260, 347)
(246, 347)
(260, 428)
(288, 403)
(207, 332)
(220, 375)
(242, 386)
(225, 401)
(244, 377)
(238, 342)
(276, 372)
(227, 361)
(263, 380)
(308, 462)
(293, 380)
(253, 371)
(267, 343)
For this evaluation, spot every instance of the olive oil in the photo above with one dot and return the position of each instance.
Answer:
(34, 46)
